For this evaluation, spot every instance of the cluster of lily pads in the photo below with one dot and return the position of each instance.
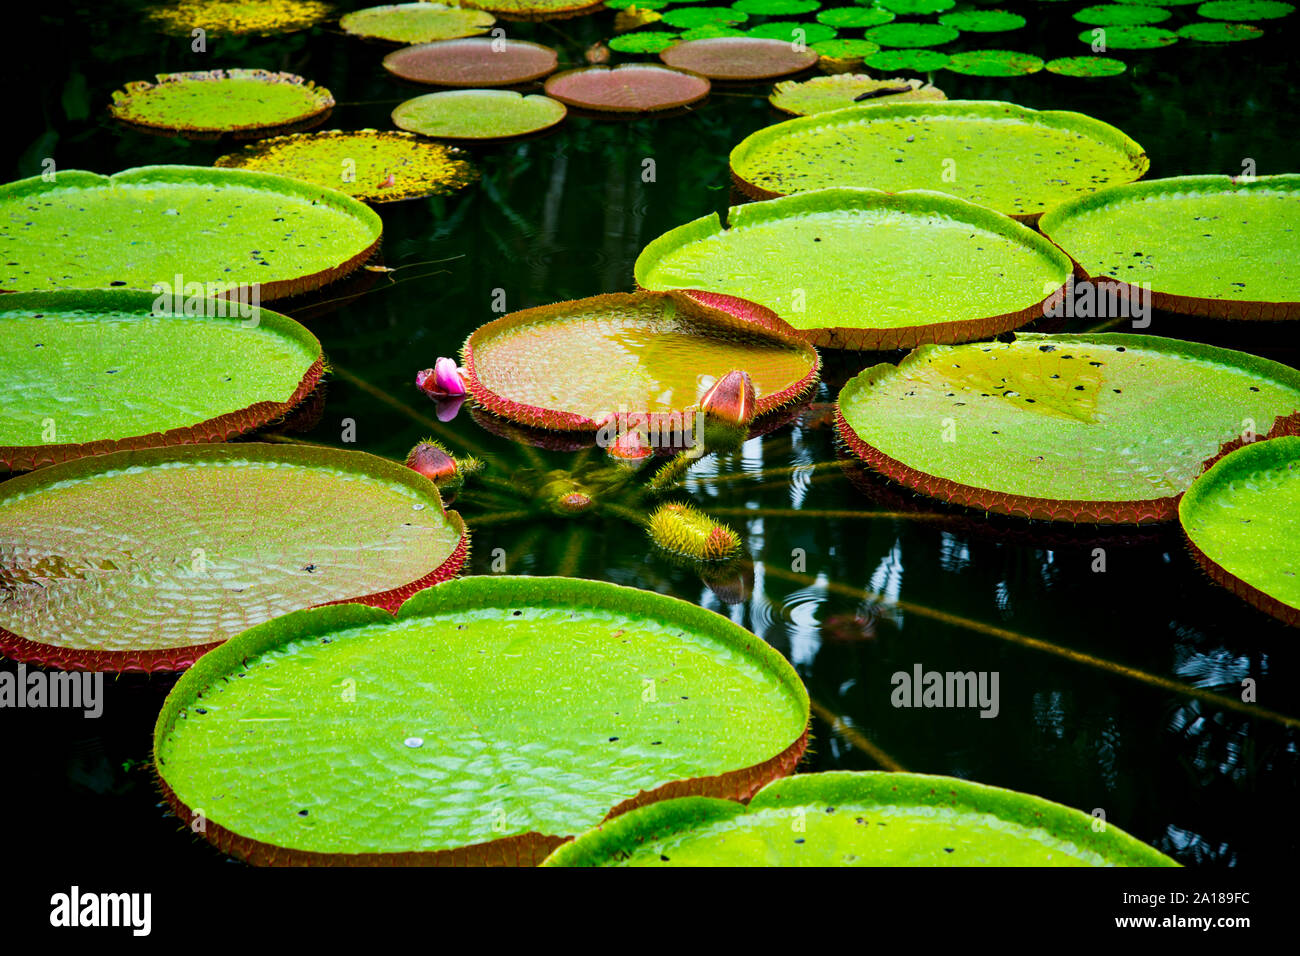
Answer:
(310, 593)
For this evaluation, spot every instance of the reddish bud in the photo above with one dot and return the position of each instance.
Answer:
(731, 399)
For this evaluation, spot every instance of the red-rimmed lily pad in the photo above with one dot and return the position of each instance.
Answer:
(416, 22)
(144, 560)
(629, 88)
(207, 103)
(1242, 520)
(1205, 245)
(1220, 32)
(478, 114)
(824, 94)
(472, 62)
(863, 269)
(95, 372)
(1018, 161)
(1060, 427)
(859, 819)
(237, 17)
(494, 718)
(1085, 66)
(739, 59)
(145, 226)
(371, 165)
(571, 365)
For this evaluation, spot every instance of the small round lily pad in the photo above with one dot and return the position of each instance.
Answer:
(416, 22)
(493, 719)
(473, 62)
(1240, 518)
(700, 16)
(567, 366)
(909, 35)
(921, 61)
(139, 227)
(859, 819)
(1122, 15)
(1220, 32)
(711, 31)
(643, 41)
(1060, 427)
(789, 31)
(1085, 66)
(823, 94)
(151, 370)
(174, 550)
(368, 164)
(855, 17)
(1129, 38)
(630, 88)
(1205, 245)
(777, 8)
(918, 7)
(237, 17)
(1245, 9)
(536, 9)
(246, 103)
(478, 114)
(994, 63)
(983, 21)
(739, 59)
(844, 49)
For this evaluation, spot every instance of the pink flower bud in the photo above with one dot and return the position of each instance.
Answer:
(731, 400)
(444, 380)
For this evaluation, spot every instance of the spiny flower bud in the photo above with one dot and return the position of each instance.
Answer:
(689, 533)
(731, 400)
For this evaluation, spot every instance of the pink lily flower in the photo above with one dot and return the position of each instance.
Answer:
(445, 380)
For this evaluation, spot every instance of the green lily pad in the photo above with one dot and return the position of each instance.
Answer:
(206, 103)
(983, 21)
(1240, 518)
(1085, 66)
(473, 62)
(776, 8)
(1122, 15)
(491, 720)
(282, 235)
(94, 372)
(921, 61)
(170, 551)
(855, 17)
(1018, 161)
(862, 269)
(368, 164)
(1129, 38)
(1205, 245)
(739, 59)
(701, 16)
(911, 34)
(845, 49)
(788, 31)
(643, 41)
(711, 31)
(1245, 9)
(237, 17)
(1060, 427)
(478, 114)
(639, 4)
(859, 819)
(416, 22)
(629, 88)
(1220, 32)
(994, 63)
(824, 94)
(1161, 3)
(569, 366)
(918, 7)
(536, 9)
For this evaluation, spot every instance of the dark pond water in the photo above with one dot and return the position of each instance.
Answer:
(1119, 690)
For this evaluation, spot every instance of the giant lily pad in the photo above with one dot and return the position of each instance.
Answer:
(144, 560)
(94, 372)
(738, 59)
(1061, 427)
(494, 718)
(824, 94)
(478, 114)
(859, 819)
(472, 62)
(1242, 518)
(147, 225)
(368, 164)
(246, 103)
(237, 17)
(630, 88)
(1206, 245)
(862, 269)
(1018, 161)
(570, 365)
(416, 22)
